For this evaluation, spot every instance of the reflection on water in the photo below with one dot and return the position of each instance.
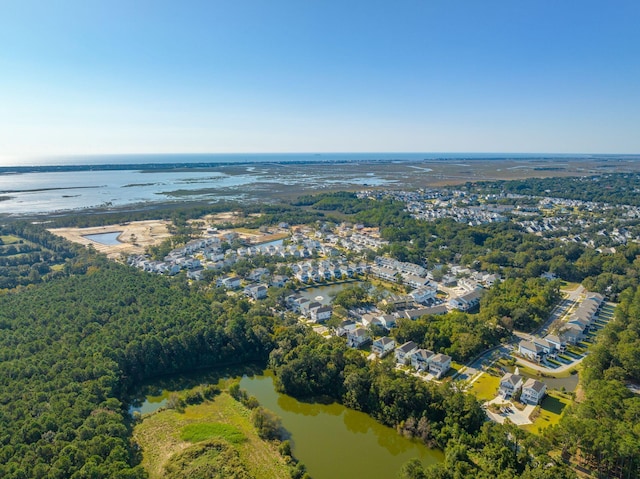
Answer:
(331, 440)
(334, 441)
(109, 239)
(43, 192)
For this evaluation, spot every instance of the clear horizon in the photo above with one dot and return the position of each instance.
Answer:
(151, 158)
(87, 78)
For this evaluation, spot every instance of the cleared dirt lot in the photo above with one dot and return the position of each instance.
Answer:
(134, 237)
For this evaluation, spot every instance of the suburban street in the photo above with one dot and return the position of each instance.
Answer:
(472, 370)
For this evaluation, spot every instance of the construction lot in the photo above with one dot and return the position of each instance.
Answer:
(134, 236)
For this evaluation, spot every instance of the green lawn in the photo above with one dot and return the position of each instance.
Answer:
(485, 387)
(551, 411)
(202, 431)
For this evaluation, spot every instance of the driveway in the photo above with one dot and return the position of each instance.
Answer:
(516, 416)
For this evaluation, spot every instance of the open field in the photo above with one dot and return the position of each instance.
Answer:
(134, 236)
(163, 434)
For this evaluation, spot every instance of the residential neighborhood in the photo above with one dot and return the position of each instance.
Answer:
(310, 259)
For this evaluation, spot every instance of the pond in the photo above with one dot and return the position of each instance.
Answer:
(330, 439)
(270, 243)
(109, 239)
(334, 441)
(569, 383)
(325, 294)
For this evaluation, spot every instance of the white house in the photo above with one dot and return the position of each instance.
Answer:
(258, 274)
(439, 365)
(256, 291)
(423, 294)
(421, 358)
(345, 327)
(556, 342)
(279, 281)
(195, 274)
(357, 337)
(414, 281)
(320, 314)
(369, 320)
(466, 301)
(229, 282)
(530, 350)
(509, 385)
(403, 353)
(387, 320)
(546, 346)
(533, 391)
(572, 334)
(383, 346)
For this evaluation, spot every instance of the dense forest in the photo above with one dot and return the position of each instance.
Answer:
(70, 349)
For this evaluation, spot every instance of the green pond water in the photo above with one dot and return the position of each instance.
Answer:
(325, 294)
(330, 439)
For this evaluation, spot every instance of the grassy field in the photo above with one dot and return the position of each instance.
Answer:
(567, 286)
(485, 387)
(167, 433)
(551, 411)
(9, 239)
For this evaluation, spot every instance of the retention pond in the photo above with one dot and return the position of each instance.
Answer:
(109, 239)
(330, 439)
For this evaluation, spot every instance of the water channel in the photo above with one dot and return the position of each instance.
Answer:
(330, 439)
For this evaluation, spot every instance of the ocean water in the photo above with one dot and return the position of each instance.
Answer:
(234, 158)
(44, 190)
(49, 185)
(58, 191)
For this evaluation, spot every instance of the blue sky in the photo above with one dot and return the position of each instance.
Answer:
(84, 77)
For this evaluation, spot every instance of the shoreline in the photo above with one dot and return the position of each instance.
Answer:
(320, 160)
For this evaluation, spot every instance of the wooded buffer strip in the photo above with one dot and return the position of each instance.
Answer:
(604, 429)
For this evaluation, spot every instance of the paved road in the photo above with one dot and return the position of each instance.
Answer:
(476, 366)
(545, 369)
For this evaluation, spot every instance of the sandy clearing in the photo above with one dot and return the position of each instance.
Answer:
(134, 236)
